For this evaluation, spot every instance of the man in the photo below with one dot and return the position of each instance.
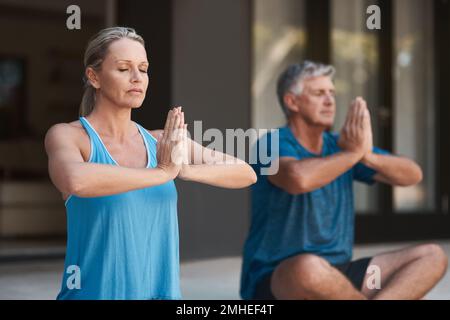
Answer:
(301, 236)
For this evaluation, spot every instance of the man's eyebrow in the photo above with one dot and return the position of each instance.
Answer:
(322, 90)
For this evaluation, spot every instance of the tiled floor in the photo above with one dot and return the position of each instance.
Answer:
(208, 279)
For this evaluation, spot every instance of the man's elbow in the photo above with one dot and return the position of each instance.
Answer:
(299, 184)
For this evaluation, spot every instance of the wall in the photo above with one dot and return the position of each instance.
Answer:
(211, 80)
(36, 32)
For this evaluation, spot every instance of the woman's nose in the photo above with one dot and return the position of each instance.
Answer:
(136, 76)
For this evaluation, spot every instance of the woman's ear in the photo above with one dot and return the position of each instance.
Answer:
(91, 76)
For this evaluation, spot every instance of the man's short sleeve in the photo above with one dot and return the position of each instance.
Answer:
(270, 147)
(287, 147)
(363, 173)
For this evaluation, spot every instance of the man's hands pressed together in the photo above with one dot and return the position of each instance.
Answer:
(356, 134)
(357, 138)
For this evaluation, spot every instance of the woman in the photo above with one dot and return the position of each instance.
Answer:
(117, 180)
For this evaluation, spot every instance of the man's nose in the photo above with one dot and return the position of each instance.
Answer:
(329, 99)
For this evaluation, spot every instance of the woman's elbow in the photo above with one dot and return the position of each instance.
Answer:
(412, 177)
(250, 177)
(416, 175)
(246, 176)
(65, 180)
(73, 185)
(253, 178)
(75, 189)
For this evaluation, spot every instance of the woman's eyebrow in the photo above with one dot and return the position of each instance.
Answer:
(129, 61)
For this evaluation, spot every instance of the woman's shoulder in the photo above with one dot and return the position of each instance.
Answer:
(69, 128)
(68, 134)
(70, 131)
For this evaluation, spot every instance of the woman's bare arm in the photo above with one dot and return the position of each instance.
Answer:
(72, 175)
(211, 167)
(216, 168)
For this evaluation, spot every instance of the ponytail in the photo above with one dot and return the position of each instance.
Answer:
(88, 100)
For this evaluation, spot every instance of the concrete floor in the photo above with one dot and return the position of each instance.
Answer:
(207, 279)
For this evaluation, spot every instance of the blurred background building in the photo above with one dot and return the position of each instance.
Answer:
(220, 59)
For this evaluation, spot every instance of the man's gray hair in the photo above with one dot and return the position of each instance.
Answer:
(291, 79)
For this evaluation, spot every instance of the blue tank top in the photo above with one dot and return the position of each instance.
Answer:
(122, 246)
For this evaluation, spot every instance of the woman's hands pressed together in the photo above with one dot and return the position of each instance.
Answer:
(172, 145)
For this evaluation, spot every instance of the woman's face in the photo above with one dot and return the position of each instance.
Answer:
(123, 77)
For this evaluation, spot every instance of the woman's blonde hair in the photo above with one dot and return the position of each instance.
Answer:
(94, 55)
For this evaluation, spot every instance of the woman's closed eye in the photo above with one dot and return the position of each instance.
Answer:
(141, 70)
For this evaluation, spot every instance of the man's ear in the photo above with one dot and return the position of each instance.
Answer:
(91, 76)
(290, 101)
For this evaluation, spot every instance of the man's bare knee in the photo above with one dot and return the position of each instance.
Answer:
(435, 255)
(311, 270)
(300, 276)
(438, 256)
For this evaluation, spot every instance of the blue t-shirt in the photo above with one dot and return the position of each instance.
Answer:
(283, 225)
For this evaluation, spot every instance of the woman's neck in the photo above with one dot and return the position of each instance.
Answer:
(112, 121)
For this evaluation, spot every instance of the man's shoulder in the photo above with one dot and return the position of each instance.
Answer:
(282, 133)
(275, 138)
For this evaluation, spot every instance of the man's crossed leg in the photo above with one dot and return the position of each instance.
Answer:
(405, 274)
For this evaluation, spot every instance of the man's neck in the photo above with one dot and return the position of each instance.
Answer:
(309, 136)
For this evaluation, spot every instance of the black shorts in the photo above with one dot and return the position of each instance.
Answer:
(354, 271)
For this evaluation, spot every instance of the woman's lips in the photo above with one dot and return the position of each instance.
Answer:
(135, 91)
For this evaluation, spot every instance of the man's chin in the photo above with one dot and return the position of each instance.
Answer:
(325, 124)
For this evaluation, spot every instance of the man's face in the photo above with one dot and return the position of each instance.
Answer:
(316, 104)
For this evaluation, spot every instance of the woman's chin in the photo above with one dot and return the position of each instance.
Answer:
(133, 104)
